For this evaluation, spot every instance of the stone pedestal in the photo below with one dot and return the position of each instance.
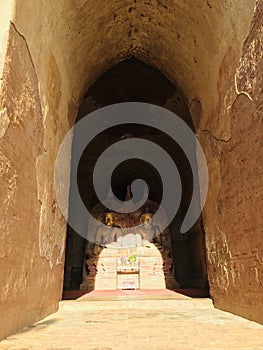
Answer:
(156, 268)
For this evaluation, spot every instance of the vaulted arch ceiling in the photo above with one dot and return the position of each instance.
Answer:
(186, 40)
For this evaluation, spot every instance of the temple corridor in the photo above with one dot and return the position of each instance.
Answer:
(193, 68)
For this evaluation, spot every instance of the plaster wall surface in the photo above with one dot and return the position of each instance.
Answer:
(28, 290)
(233, 219)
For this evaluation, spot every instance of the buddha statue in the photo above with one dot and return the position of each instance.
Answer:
(108, 233)
(148, 231)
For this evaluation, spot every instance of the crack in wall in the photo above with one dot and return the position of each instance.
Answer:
(31, 59)
(208, 132)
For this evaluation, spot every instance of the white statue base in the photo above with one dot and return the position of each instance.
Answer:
(156, 268)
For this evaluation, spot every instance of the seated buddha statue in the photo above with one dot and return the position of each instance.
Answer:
(148, 231)
(108, 233)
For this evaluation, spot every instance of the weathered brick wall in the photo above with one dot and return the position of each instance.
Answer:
(233, 215)
(26, 280)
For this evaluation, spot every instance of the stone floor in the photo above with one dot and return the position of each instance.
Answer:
(144, 321)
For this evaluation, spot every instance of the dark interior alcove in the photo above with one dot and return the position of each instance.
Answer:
(135, 81)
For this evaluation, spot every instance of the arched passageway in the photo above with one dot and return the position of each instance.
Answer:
(135, 81)
(212, 50)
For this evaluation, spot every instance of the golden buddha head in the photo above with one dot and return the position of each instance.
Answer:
(109, 218)
(146, 218)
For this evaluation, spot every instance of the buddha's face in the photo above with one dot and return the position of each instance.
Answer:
(109, 219)
(147, 219)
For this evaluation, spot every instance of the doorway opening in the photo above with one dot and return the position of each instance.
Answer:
(135, 81)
